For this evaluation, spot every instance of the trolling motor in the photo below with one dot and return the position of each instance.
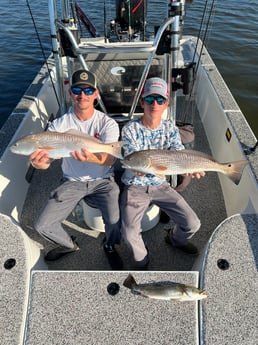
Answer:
(130, 21)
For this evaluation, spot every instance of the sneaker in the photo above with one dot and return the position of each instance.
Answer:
(58, 252)
(187, 248)
(164, 218)
(142, 265)
(113, 257)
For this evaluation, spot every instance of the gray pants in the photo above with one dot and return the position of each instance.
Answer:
(102, 194)
(135, 201)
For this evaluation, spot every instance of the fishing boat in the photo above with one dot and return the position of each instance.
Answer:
(78, 299)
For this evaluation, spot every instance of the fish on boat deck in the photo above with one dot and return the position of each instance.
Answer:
(166, 162)
(165, 290)
(61, 144)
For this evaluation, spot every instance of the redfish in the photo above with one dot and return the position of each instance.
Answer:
(165, 290)
(166, 162)
(60, 145)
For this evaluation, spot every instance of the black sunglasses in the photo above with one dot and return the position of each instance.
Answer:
(150, 100)
(88, 91)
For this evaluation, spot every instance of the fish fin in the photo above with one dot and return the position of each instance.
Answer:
(129, 281)
(159, 167)
(159, 170)
(47, 148)
(79, 133)
(182, 289)
(160, 176)
(203, 293)
(235, 170)
(115, 149)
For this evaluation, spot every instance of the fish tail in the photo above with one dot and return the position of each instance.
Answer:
(129, 281)
(115, 149)
(234, 170)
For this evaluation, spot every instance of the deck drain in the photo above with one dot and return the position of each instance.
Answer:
(113, 289)
(223, 264)
(9, 263)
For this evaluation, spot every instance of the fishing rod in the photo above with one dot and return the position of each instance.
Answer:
(210, 12)
(42, 50)
(105, 22)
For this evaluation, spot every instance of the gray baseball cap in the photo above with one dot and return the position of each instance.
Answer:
(155, 86)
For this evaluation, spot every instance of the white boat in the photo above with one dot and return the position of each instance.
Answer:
(70, 301)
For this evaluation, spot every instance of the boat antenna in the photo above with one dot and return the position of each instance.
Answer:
(42, 50)
(105, 22)
(129, 20)
(204, 40)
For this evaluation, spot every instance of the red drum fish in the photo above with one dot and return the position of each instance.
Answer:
(60, 145)
(166, 162)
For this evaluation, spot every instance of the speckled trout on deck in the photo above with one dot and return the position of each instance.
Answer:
(60, 145)
(165, 162)
(165, 290)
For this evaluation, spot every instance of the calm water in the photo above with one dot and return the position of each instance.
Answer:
(233, 44)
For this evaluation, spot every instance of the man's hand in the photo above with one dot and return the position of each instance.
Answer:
(83, 156)
(138, 173)
(197, 175)
(39, 159)
(97, 158)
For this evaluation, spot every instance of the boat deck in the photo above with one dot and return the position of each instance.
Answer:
(71, 306)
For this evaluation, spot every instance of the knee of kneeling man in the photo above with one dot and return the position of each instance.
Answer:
(197, 224)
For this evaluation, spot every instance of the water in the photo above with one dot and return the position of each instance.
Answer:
(232, 42)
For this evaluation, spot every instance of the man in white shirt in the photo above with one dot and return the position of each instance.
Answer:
(85, 175)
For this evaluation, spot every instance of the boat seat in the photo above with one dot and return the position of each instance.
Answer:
(93, 216)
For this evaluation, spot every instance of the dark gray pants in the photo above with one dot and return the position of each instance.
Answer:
(102, 194)
(135, 201)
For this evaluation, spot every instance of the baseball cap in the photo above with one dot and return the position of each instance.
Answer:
(84, 77)
(155, 86)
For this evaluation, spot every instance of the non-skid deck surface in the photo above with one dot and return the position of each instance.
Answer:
(229, 273)
(75, 308)
(14, 280)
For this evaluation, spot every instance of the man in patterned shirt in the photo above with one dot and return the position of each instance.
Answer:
(151, 131)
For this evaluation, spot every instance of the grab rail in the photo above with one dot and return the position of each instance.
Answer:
(148, 64)
(124, 48)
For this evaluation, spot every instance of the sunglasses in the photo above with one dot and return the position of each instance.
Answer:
(150, 100)
(88, 91)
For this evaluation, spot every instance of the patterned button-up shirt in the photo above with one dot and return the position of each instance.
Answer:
(136, 137)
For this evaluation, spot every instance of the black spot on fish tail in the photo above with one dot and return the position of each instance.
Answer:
(116, 148)
(182, 288)
(235, 170)
(129, 282)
